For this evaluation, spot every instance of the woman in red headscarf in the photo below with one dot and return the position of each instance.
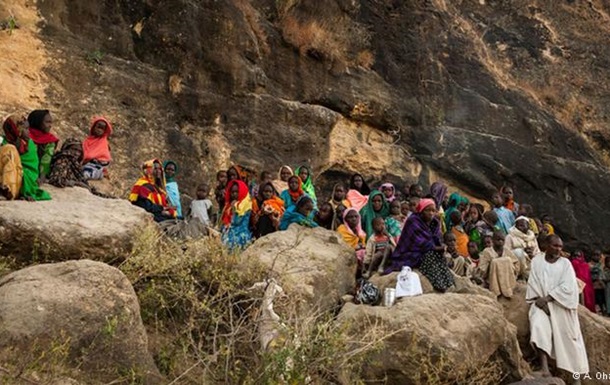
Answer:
(235, 220)
(96, 150)
(149, 192)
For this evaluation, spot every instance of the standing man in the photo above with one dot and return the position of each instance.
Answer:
(552, 292)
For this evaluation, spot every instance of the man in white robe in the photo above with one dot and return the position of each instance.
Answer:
(552, 292)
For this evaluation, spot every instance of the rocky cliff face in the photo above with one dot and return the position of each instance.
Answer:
(479, 93)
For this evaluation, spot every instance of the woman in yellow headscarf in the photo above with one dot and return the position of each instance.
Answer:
(149, 192)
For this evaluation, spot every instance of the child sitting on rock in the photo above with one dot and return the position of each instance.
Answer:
(395, 221)
(201, 208)
(378, 248)
(473, 256)
(499, 267)
(455, 261)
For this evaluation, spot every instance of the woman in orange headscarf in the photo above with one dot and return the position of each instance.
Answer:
(293, 193)
(235, 220)
(96, 150)
(149, 192)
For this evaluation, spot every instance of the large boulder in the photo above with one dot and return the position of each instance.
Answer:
(439, 338)
(313, 266)
(516, 312)
(75, 224)
(88, 309)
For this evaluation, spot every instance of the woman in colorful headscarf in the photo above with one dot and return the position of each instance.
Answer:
(149, 192)
(171, 186)
(237, 172)
(376, 206)
(420, 246)
(12, 144)
(66, 168)
(302, 214)
(235, 221)
(267, 211)
(352, 233)
(388, 191)
(41, 123)
(293, 193)
(358, 193)
(16, 133)
(281, 183)
(304, 173)
(96, 150)
(456, 203)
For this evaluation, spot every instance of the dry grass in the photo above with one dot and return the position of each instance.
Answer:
(203, 321)
(365, 59)
(336, 39)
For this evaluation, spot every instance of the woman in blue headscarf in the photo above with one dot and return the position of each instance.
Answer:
(171, 186)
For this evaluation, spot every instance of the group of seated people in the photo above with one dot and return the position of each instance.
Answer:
(29, 156)
(442, 235)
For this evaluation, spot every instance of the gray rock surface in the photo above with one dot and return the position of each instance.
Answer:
(75, 224)
(88, 306)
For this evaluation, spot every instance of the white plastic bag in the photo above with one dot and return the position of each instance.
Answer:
(408, 283)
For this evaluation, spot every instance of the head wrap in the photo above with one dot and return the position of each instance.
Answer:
(97, 147)
(308, 186)
(242, 174)
(279, 173)
(165, 164)
(438, 190)
(38, 136)
(359, 232)
(243, 205)
(423, 203)
(12, 134)
(295, 195)
(368, 213)
(391, 186)
(522, 217)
